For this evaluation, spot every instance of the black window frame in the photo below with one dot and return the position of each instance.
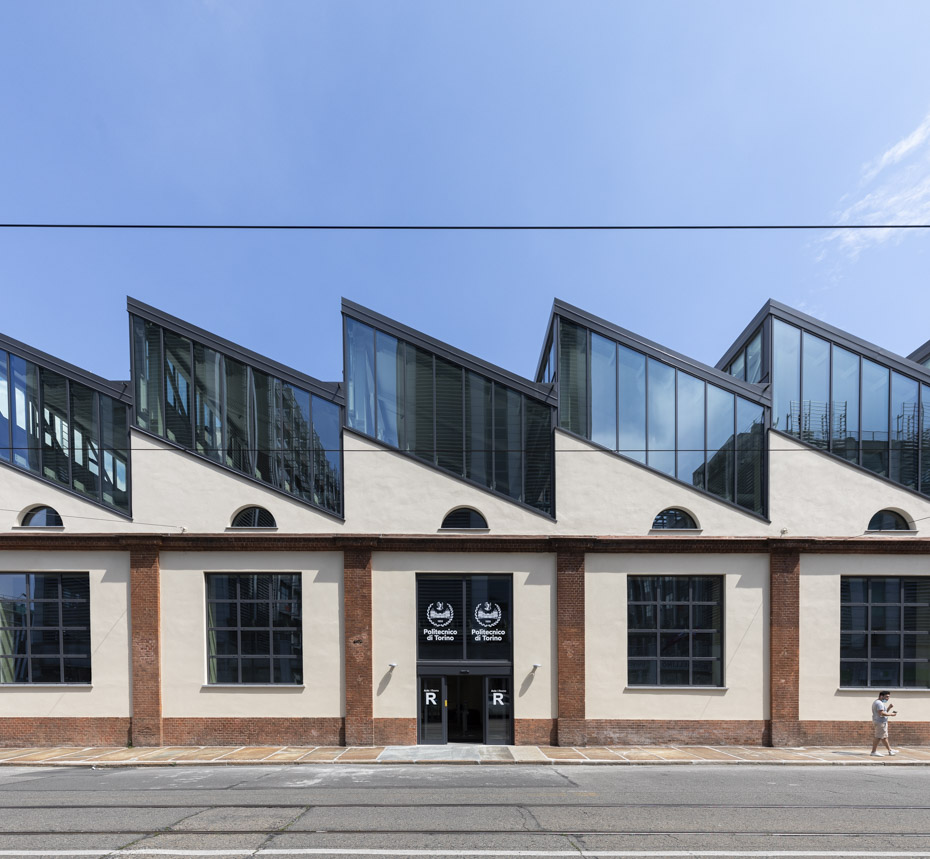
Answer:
(25, 631)
(659, 601)
(679, 516)
(30, 515)
(260, 517)
(888, 609)
(296, 597)
(475, 520)
(900, 522)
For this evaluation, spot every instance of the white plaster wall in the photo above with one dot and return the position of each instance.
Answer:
(185, 692)
(110, 691)
(819, 684)
(746, 661)
(395, 625)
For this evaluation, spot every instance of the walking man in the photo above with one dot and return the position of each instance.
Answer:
(881, 710)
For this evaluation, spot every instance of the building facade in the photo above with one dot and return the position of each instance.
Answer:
(630, 547)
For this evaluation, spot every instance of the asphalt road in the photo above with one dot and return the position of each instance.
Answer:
(492, 811)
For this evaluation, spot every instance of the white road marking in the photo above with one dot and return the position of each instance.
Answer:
(572, 854)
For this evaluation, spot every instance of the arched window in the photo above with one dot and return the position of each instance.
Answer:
(673, 518)
(43, 517)
(464, 518)
(888, 520)
(254, 517)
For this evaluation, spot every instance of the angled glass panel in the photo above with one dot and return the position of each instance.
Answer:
(690, 430)
(266, 391)
(661, 417)
(360, 377)
(845, 405)
(631, 368)
(178, 425)
(750, 455)
(479, 440)
(114, 431)
(508, 442)
(538, 447)
(56, 429)
(149, 379)
(239, 442)
(786, 372)
(419, 412)
(754, 359)
(25, 396)
(874, 426)
(209, 373)
(603, 391)
(4, 406)
(720, 442)
(905, 430)
(85, 442)
(815, 391)
(925, 439)
(738, 367)
(327, 455)
(573, 377)
(450, 447)
(296, 455)
(390, 387)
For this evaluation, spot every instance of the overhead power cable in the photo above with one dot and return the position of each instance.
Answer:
(464, 227)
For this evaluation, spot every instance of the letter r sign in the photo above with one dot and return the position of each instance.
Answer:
(497, 699)
(430, 697)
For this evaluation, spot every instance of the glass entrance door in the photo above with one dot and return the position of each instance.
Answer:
(432, 716)
(498, 712)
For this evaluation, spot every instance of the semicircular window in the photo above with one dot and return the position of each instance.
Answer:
(43, 517)
(674, 519)
(464, 518)
(254, 517)
(888, 520)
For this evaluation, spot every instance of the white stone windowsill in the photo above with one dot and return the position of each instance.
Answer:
(46, 685)
(231, 530)
(676, 532)
(901, 533)
(276, 687)
(38, 527)
(463, 531)
(676, 688)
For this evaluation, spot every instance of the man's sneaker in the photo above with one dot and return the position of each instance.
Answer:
(876, 755)
(892, 752)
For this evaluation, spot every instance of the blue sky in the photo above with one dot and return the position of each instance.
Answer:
(442, 112)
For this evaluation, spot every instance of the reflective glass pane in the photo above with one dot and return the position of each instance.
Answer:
(479, 442)
(327, 455)
(674, 672)
(631, 368)
(844, 421)
(573, 377)
(288, 670)
(721, 451)
(854, 674)
(854, 645)
(905, 430)
(149, 380)
(914, 590)
(786, 376)
(255, 670)
(488, 601)
(661, 417)
(674, 617)
(390, 386)
(85, 442)
(738, 367)
(603, 391)
(642, 672)
(239, 443)
(854, 589)
(418, 403)
(885, 617)
(674, 644)
(508, 441)
(750, 455)
(360, 377)
(925, 439)
(296, 443)
(917, 674)
(885, 673)
(706, 672)
(25, 418)
(642, 588)
(266, 391)
(178, 426)
(874, 425)
(209, 372)
(4, 406)
(56, 430)
(754, 359)
(916, 646)
(538, 447)
(885, 589)
(46, 669)
(641, 616)
(114, 426)
(642, 644)
(690, 446)
(886, 646)
(815, 391)
(450, 447)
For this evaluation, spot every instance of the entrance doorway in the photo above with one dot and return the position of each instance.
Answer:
(466, 709)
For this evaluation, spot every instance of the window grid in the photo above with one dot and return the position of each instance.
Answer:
(675, 630)
(254, 628)
(885, 632)
(44, 628)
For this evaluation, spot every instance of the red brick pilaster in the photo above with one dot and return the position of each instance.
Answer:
(357, 613)
(784, 646)
(570, 637)
(145, 608)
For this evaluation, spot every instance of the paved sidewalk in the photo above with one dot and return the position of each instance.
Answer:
(454, 754)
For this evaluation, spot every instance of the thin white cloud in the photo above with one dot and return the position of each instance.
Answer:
(896, 188)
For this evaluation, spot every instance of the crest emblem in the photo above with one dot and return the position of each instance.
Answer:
(439, 613)
(488, 614)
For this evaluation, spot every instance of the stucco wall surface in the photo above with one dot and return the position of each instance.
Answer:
(819, 684)
(185, 692)
(395, 625)
(746, 662)
(109, 692)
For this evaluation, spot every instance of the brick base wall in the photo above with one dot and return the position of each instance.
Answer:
(535, 732)
(253, 732)
(51, 731)
(683, 732)
(860, 733)
(395, 732)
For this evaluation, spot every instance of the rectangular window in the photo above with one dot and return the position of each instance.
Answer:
(885, 632)
(4, 406)
(573, 378)
(254, 628)
(44, 628)
(675, 630)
